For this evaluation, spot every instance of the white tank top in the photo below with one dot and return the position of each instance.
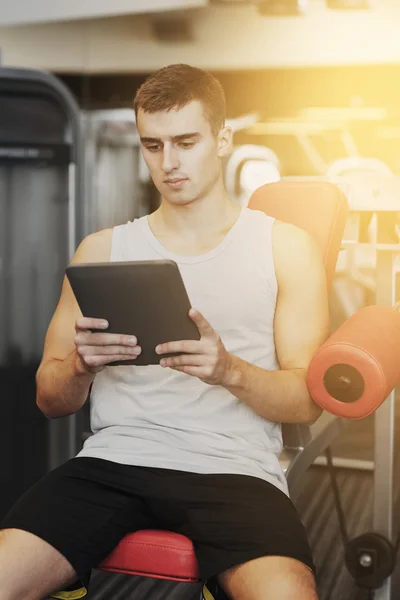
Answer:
(155, 417)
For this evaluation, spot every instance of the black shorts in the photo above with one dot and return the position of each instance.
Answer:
(86, 506)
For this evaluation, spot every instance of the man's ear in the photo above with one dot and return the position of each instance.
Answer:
(225, 141)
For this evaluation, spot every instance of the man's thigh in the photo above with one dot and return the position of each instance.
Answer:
(235, 519)
(82, 509)
(268, 578)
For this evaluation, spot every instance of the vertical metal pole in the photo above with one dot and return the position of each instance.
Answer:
(63, 433)
(384, 427)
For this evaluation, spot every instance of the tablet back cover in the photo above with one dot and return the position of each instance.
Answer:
(146, 299)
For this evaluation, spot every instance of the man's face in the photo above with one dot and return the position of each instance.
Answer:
(181, 152)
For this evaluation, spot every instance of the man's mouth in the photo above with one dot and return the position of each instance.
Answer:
(176, 182)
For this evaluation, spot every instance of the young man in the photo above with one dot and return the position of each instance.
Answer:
(192, 445)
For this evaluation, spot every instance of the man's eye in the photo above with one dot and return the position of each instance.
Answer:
(154, 148)
(186, 145)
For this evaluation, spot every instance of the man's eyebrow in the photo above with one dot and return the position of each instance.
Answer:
(177, 138)
(187, 136)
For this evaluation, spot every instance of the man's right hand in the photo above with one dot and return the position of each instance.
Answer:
(97, 349)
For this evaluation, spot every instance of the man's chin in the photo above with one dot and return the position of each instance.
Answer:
(178, 199)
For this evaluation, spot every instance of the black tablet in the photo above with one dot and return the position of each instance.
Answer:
(146, 299)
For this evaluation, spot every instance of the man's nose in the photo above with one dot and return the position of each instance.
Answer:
(170, 159)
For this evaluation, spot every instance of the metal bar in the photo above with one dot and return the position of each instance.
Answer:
(349, 143)
(312, 153)
(63, 432)
(340, 462)
(384, 427)
(337, 498)
(327, 429)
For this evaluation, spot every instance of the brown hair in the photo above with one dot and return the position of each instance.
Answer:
(177, 85)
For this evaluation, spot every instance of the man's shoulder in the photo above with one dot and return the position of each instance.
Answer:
(294, 249)
(95, 247)
(288, 236)
(103, 236)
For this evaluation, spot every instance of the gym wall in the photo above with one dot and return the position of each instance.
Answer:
(217, 37)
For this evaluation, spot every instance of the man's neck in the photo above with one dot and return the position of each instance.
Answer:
(194, 228)
(203, 216)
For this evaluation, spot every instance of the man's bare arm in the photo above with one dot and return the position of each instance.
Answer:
(62, 380)
(301, 326)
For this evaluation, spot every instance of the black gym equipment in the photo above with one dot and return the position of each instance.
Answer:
(40, 217)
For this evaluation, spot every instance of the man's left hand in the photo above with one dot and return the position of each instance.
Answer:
(206, 358)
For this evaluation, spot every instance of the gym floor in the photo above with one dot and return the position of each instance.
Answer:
(315, 503)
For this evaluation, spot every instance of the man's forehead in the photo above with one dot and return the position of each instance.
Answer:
(173, 122)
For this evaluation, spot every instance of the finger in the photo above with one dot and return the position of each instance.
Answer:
(84, 323)
(123, 357)
(183, 347)
(86, 351)
(98, 361)
(105, 339)
(194, 371)
(186, 359)
(202, 324)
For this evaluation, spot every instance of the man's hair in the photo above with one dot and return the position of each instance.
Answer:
(177, 85)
